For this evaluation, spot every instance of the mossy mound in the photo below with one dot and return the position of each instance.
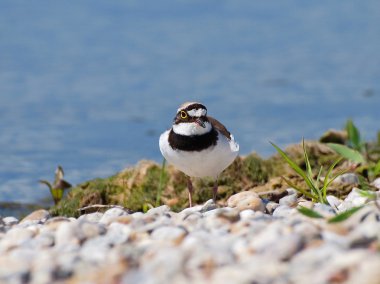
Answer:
(136, 188)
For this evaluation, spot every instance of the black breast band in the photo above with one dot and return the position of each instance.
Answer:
(193, 142)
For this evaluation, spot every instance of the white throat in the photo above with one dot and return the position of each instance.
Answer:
(191, 128)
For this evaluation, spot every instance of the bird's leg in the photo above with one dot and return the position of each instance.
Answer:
(215, 190)
(190, 188)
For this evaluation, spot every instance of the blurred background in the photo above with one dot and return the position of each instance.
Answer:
(90, 85)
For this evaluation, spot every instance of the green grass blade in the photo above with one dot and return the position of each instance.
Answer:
(353, 135)
(345, 215)
(327, 181)
(367, 193)
(309, 212)
(294, 166)
(292, 185)
(347, 153)
(306, 157)
(319, 176)
(376, 169)
(337, 175)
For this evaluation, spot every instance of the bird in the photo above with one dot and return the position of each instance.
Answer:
(198, 145)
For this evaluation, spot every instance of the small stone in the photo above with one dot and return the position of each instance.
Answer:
(91, 217)
(158, 210)
(209, 205)
(376, 183)
(53, 223)
(333, 201)
(15, 237)
(353, 199)
(306, 203)
(271, 206)
(246, 200)
(90, 230)
(10, 221)
(68, 233)
(290, 200)
(111, 214)
(308, 230)
(36, 217)
(118, 233)
(169, 233)
(324, 209)
(188, 211)
(334, 136)
(13, 270)
(247, 214)
(284, 211)
(347, 178)
(230, 215)
(291, 191)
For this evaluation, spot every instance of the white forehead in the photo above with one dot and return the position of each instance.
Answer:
(197, 112)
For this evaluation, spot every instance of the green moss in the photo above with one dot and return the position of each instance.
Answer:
(146, 192)
(137, 187)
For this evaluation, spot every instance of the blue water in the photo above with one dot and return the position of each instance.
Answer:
(90, 85)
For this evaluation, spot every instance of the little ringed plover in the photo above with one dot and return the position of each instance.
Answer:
(198, 145)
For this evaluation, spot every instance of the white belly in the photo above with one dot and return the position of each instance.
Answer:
(209, 162)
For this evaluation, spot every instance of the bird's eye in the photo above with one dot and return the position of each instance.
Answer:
(183, 114)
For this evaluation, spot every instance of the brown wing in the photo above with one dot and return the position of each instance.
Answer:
(220, 127)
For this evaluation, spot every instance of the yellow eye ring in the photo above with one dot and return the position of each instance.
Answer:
(183, 114)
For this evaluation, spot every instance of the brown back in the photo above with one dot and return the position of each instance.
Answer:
(220, 127)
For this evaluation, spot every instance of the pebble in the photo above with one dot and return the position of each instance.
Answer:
(347, 178)
(289, 200)
(271, 206)
(376, 183)
(36, 217)
(202, 244)
(10, 221)
(246, 200)
(111, 214)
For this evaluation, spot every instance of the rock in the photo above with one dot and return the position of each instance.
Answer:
(90, 229)
(169, 234)
(36, 217)
(10, 221)
(13, 270)
(118, 234)
(284, 211)
(112, 214)
(353, 199)
(247, 214)
(271, 206)
(188, 211)
(376, 183)
(306, 203)
(159, 210)
(291, 191)
(307, 230)
(367, 271)
(334, 136)
(91, 217)
(230, 215)
(68, 233)
(333, 201)
(325, 210)
(16, 237)
(347, 178)
(209, 205)
(246, 200)
(290, 200)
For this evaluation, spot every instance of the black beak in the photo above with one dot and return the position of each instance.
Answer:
(200, 122)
